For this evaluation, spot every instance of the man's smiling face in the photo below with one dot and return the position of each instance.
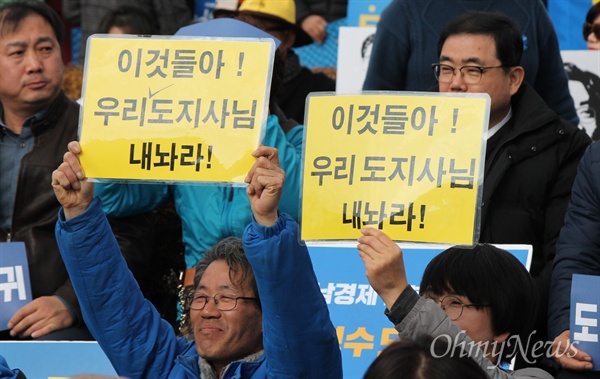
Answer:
(225, 336)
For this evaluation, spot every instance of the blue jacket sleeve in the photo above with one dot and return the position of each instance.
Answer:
(578, 246)
(299, 338)
(130, 331)
(289, 147)
(6, 372)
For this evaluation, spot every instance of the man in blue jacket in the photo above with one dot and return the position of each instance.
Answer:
(257, 310)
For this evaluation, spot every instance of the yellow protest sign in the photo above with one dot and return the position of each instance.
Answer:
(173, 108)
(410, 164)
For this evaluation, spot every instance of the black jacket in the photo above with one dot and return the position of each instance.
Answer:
(529, 173)
(36, 208)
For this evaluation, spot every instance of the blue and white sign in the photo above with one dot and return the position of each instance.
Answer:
(15, 288)
(585, 316)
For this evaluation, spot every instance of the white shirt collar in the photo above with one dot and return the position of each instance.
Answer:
(494, 129)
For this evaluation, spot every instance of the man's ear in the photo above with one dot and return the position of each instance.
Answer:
(516, 76)
(501, 337)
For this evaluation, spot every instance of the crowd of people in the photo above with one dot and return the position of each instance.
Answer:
(251, 302)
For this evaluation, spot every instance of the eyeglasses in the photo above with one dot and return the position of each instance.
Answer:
(453, 306)
(470, 74)
(589, 29)
(223, 301)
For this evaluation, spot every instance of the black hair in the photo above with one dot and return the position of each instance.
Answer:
(590, 17)
(13, 13)
(231, 251)
(504, 31)
(423, 358)
(131, 19)
(593, 13)
(487, 275)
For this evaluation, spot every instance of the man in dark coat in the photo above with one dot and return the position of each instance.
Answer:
(37, 121)
(531, 155)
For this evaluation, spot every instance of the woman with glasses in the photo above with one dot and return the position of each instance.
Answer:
(591, 28)
(481, 300)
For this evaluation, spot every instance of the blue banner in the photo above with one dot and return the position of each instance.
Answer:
(585, 299)
(15, 288)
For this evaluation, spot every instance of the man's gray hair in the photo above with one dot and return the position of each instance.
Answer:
(230, 250)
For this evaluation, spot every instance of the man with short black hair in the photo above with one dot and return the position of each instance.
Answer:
(531, 154)
(37, 120)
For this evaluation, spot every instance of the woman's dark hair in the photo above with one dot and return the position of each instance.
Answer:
(131, 19)
(423, 358)
(504, 31)
(488, 275)
(590, 17)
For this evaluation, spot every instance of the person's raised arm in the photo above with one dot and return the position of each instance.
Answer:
(265, 184)
(384, 264)
(73, 192)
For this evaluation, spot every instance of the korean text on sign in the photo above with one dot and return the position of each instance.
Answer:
(410, 164)
(174, 109)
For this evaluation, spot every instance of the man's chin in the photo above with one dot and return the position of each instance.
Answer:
(210, 353)
(42, 96)
(40, 100)
(207, 346)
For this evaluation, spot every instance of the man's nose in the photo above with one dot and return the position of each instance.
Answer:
(33, 62)
(458, 82)
(210, 309)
